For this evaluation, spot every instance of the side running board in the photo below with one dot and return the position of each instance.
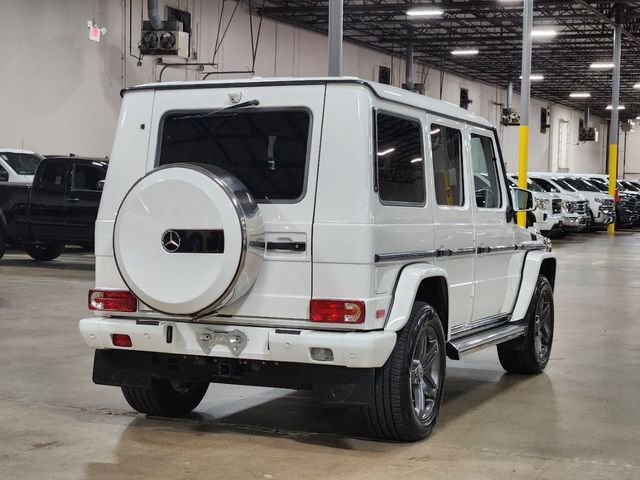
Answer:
(463, 344)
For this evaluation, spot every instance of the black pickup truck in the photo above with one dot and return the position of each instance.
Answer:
(58, 209)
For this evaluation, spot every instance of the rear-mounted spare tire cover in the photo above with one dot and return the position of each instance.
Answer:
(181, 239)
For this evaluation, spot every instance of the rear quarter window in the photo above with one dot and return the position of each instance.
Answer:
(266, 149)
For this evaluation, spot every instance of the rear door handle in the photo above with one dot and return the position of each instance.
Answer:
(287, 246)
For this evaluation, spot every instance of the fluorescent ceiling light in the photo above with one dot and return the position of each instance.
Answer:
(543, 33)
(468, 51)
(433, 132)
(416, 160)
(620, 107)
(637, 85)
(602, 65)
(424, 12)
(387, 151)
(535, 76)
(580, 95)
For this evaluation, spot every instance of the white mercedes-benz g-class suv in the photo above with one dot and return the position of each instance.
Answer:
(323, 234)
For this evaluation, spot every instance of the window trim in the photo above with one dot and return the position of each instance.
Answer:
(498, 171)
(376, 186)
(307, 170)
(460, 129)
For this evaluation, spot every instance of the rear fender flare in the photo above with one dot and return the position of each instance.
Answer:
(405, 292)
(530, 271)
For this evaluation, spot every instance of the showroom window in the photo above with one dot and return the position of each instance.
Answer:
(400, 160)
(265, 149)
(446, 149)
(485, 172)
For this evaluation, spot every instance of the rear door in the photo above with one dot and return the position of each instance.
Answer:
(84, 188)
(453, 216)
(47, 204)
(273, 148)
(496, 275)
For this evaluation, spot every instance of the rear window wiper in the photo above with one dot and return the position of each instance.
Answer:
(249, 103)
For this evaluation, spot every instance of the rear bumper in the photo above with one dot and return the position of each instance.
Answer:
(349, 349)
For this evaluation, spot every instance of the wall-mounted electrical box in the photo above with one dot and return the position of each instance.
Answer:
(544, 119)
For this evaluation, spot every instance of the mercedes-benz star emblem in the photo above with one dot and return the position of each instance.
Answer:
(171, 241)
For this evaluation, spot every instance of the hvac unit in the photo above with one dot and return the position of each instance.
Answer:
(170, 40)
(509, 117)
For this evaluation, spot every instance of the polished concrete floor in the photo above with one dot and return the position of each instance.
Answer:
(578, 420)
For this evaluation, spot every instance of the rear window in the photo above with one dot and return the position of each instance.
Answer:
(267, 150)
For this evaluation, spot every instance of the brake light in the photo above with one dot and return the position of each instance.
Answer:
(337, 311)
(112, 300)
(617, 196)
(121, 340)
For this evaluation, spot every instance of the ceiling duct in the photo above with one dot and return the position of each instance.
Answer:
(154, 14)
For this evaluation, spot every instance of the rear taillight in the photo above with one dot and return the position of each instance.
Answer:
(112, 300)
(617, 196)
(337, 311)
(121, 340)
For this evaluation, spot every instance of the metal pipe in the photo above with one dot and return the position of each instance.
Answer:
(525, 93)
(510, 95)
(586, 118)
(154, 14)
(335, 37)
(409, 66)
(615, 102)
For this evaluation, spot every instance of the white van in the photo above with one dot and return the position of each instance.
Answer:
(313, 233)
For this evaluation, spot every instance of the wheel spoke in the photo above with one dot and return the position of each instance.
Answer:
(428, 378)
(427, 360)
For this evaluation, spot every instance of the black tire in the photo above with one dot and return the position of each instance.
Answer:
(531, 354)
(44, 252)
(3, 244)
(393, 413)
(165, 398)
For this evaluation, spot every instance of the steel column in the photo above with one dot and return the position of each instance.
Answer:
(525, 93)
(335, 37)
(614, 127)
(409, 66)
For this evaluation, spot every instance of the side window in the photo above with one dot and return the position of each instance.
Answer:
(446, 149)
(399, 160)
(88, 176)
(52, 177)
(485, 172)
(4, 175)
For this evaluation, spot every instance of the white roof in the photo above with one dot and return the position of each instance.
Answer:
(387, 92)
(16, 150)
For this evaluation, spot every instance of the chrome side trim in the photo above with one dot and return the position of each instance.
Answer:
(531, 246)
(394, 257)
(448, 252)
(465, 330)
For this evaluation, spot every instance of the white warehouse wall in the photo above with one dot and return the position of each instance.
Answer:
(62, 90)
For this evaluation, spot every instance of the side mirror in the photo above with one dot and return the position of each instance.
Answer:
(4, 176)
(522, 200)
